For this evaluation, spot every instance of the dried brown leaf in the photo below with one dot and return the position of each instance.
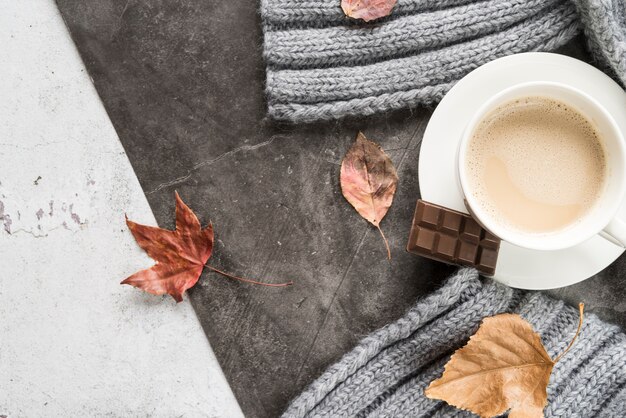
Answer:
(369, 181)
(503, 366)
(180, 254)
(367, 9)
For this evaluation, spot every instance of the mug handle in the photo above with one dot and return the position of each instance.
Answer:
(615, 232)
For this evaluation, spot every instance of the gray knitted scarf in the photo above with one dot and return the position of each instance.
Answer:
(385, 374)
(322, 65)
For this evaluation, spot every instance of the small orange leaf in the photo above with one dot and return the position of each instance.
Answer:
(369, 181)
(180, 254)
(367, 9)
(503, 366)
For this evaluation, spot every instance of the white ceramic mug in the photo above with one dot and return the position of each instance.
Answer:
(601, 219)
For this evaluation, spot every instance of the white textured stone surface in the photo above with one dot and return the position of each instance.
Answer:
(73, 342)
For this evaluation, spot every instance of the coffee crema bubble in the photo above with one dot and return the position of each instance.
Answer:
(536, 165)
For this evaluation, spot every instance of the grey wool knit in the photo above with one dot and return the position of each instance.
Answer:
(386, 373)
(322, 65)
(604, 22)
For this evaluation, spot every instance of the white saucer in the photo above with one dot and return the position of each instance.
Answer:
(517, 267)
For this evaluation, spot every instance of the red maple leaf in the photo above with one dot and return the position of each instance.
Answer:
(180, 255)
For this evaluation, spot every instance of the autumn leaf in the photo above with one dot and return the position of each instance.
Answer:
(367, 9)
(181, 255)
(503, 366)
(368, 181)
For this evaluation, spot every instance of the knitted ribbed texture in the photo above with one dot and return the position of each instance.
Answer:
(387, 372)
(605, 27)
(322, 65)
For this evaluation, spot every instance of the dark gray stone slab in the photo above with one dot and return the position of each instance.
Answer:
(183, 85)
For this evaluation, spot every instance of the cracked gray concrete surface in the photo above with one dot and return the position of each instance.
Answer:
(183, 84)
(182, 179)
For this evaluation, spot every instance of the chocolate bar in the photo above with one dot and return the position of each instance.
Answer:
(452, 237)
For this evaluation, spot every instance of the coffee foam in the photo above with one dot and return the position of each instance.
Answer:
(536, 164)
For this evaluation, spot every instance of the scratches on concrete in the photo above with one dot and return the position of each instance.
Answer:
(206, 163)
(120, 21)
(305, 361)
(39, 233)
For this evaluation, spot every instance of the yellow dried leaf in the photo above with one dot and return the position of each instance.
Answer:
(503, 366)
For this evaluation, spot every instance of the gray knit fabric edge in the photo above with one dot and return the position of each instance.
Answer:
(605, 29)
(321, 65)
(386, 373)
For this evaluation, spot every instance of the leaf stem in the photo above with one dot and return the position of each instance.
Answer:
(581, 308)
(386, 243)
(230, 276)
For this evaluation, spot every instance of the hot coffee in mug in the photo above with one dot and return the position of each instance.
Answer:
(536, 164)
(543, 166)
